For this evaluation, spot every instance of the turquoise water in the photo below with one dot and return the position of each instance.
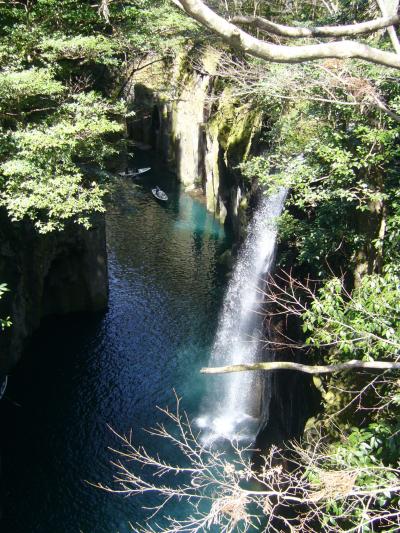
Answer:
(84, 372)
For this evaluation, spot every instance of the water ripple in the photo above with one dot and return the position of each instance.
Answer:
(84, 373)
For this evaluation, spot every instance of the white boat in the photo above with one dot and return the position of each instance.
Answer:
(159, 194)
(134, 172)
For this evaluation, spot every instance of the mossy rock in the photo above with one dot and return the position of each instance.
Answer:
(236, 125)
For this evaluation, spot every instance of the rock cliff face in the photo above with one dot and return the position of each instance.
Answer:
(50, 274)
(202, 139)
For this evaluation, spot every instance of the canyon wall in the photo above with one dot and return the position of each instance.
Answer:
(202, 138)
(56, 273)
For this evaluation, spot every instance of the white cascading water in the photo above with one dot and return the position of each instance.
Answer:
(232, 407)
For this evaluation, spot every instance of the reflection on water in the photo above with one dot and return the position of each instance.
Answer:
(85, 372)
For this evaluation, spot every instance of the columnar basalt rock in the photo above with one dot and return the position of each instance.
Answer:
(201, 138)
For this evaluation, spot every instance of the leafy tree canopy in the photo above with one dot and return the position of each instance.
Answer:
(60, 64)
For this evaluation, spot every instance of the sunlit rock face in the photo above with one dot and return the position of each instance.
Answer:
(188, 115)
(172, 117)
(58, 273)
(202, 138)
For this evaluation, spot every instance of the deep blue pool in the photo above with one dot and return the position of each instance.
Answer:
(84, 372)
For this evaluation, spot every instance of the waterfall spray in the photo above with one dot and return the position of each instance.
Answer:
(232, 407)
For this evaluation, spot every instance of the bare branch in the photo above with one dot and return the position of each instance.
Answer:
(308, 369)
(104, 10)
(280, 53)
(317, 31)
(326, 83)
(383, 107)
(391, 30)
(215, 485)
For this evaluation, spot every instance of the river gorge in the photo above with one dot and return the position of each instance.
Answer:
(184, 291)
(199, 266)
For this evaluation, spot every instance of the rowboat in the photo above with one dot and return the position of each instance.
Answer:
(159, 194)
(134, 172)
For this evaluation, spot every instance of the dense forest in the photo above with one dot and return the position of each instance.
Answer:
(330, 135)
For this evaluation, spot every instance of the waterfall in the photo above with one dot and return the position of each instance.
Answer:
(233, 405)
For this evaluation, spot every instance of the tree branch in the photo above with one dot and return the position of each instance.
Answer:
(391, 30)
(383, 107)
(318, 31)
(245, 42)
(308, 369)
